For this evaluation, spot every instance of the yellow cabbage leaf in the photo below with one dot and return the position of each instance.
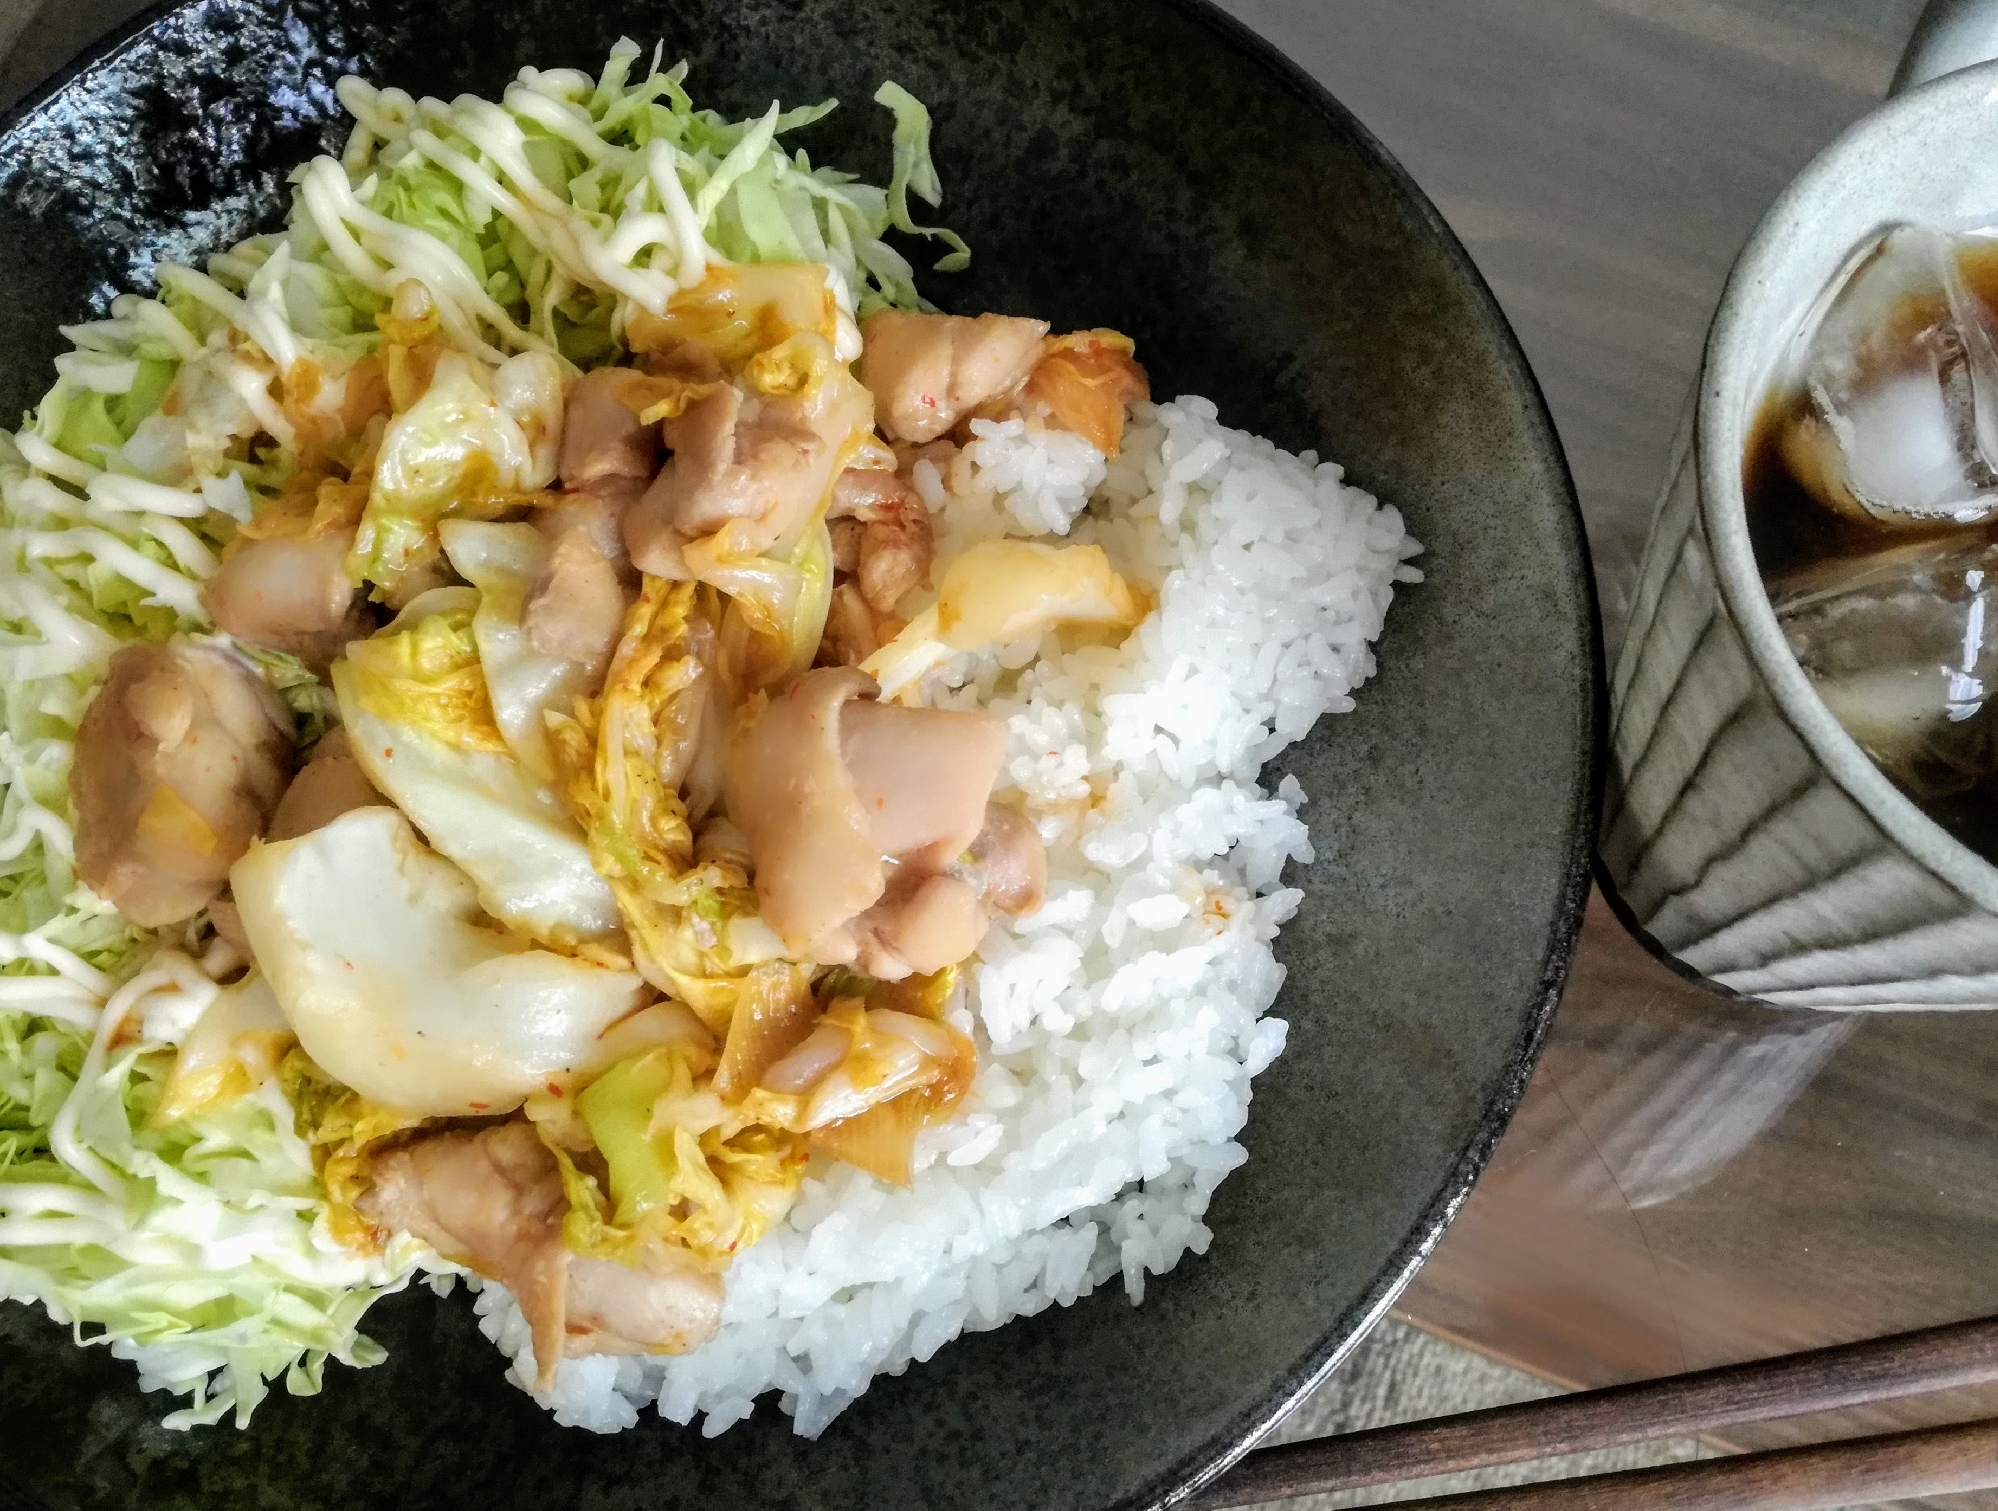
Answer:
(1003, 591)
(620, 760)
(346, 1132)
(423, 673)
(683, 1168)
(739, 310)
(473, 443)
(234, 1047)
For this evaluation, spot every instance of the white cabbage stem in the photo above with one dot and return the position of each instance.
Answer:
(63, 1140)
(559, 116)
(330, 200)
(188, 550)
(54, 1232)
(159, 322)
(168, 968)
(32, 1198)
(33, 821)
(200, 287)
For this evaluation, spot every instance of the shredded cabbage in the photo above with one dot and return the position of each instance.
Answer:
(545, 222)
(190, 1249)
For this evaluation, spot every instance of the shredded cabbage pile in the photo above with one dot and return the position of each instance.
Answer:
(544, 223)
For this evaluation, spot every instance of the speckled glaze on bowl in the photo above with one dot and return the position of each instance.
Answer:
(1148, 166)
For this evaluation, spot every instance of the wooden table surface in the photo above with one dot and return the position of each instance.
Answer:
(1689, 1181)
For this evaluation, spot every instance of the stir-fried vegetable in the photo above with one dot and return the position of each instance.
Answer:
(473, 445)
(350, 370)
(416, 701)
(1003, 591)
(502, 561)
(423, 673)
(861, 1078)
(345, 1132)
(390, 970)
(684, 1168)
(235, 1047)
(623, 759)
(779, 331)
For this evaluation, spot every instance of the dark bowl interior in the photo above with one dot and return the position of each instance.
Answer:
(1144, 166)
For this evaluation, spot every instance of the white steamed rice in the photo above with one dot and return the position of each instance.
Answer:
(1119, 1026)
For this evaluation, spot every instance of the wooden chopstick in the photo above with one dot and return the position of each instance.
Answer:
(1824, 1379)
(1822, 1477)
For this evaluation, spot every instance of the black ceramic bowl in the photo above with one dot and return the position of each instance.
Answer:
(1148, 166)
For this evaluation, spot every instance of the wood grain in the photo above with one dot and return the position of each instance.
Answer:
(1603, 161)
(1881, 1369)
(1690, 1182)
(1940, 1461)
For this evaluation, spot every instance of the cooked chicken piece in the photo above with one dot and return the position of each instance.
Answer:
(412, 584)
(328, 785)
(841, 795)
(576, 608)
(1009, 862)
(730, 465)
(180, 761)
(816, 864)
(852, 633)
(291, 593)
(602, 436)
(933, 924)
(329, 404)
(493, 1200)
(688, 360)
(895, 557)
(655, 547)
(925, 371)
(672, 1306)
(1083, 384)
(922, 776)
(895, 545)
(939, 454)
(867, 493)
(846, 535)
(756, 463)
(923, 784)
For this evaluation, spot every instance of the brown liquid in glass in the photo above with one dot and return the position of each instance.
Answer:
(1791, 531)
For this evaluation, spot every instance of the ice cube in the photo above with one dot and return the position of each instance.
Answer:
(1900, 379)
(1902, 645)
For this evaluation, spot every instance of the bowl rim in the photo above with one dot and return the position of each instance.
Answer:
(1195, 1471)
(1734, 375)
(112, 42)
(1186, 1476)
